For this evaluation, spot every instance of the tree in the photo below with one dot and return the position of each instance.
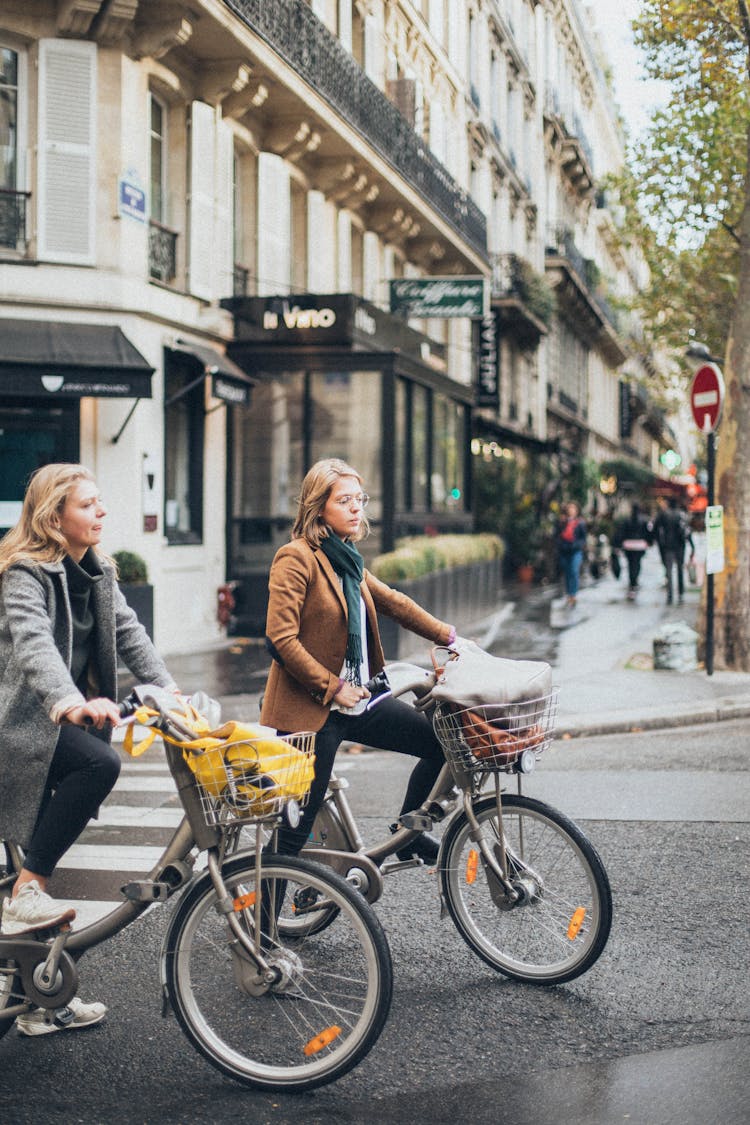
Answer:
(691, 175)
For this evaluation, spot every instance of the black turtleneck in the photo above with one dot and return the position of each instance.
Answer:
(81, 578)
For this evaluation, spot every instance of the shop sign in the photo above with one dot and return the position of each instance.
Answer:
(488, 393)
(439, 296)
(238, 394)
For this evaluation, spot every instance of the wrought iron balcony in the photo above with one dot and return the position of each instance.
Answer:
(522, 297)
(296, 34)
(162, 252)
(13, 219)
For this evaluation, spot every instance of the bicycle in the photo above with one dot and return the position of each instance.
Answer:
(273, 1012)
(523, 885)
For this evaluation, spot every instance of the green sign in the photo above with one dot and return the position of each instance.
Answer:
(714, 539)
(439, 296)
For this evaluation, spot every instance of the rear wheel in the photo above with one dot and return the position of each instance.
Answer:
(559, 924)
(10, 982)
(328, 998)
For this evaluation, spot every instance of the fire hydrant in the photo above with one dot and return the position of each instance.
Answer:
(226, 602)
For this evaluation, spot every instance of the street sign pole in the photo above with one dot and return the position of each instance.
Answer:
(706, 400)
(711, 459)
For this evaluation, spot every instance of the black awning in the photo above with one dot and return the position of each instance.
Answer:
(50, 359)
(228, 381)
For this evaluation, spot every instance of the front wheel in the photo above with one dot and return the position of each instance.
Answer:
(559, 922)
(330, 994)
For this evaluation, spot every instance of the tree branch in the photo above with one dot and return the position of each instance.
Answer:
(745, 18)
(730, 230)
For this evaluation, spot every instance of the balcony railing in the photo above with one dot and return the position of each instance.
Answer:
(13, 219)
(291, 28)
(162, 252)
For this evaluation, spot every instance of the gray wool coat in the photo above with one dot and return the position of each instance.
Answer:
(36, 641)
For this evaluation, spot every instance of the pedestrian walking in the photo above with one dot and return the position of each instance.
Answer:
(322, 633)
(672, 534)
(633, 537)
(571, 544)
(64, 625)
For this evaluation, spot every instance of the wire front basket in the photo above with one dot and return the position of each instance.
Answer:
(492, 737)
(254, 779)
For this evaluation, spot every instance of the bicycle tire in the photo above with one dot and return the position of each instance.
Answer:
(325, 1015)
(561, 924)
(11, 991)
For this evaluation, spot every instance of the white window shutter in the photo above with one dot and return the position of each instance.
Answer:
(274, 225)
(66, 205)
(224, 212)
(202, 165)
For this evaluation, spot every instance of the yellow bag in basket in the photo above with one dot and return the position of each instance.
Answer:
(263, 767)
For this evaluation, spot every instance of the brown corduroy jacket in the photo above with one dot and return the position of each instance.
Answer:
(306, 631)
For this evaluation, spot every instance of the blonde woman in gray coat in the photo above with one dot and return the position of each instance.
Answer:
(63, 626)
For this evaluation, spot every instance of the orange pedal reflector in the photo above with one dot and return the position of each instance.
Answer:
(243, 902)
(472, 863)
(576, 922)
(318, 1042)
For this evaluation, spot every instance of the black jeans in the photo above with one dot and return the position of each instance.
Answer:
(82, 773)
(390, 725)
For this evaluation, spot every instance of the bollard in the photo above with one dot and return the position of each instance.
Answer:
(676, 648)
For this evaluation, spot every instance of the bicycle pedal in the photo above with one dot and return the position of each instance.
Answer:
(144, 890)
(416, 822)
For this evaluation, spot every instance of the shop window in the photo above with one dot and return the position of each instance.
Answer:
(184, 416)
(402, 447)
(420, 436)
(32, 434)
(447, 478)
(345, 423)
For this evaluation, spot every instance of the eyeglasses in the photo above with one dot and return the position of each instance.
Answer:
(361, 500)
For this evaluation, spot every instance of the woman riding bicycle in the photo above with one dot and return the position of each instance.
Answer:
(64, 625)
(323, 635)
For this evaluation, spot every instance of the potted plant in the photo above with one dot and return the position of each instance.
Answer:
(132, 575)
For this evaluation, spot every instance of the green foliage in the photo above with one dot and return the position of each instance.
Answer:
(418, 555)
(685, 193)
(535, 291)
(131, 568)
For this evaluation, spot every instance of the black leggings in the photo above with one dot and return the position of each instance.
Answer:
(390, 725)
(82, 773)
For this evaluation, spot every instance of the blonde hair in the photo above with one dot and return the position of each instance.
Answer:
(316, 488)
(37, 536)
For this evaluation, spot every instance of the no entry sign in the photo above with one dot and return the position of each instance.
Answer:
(706, 397)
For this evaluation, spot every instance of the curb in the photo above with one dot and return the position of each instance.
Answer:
(661, 720)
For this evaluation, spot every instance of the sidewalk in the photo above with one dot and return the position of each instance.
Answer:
(603, 662)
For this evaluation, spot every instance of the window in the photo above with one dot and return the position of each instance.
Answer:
(345, 422)
(183, 451)
(12, 198)
(420, 406)
(162, 242)
(158, 160)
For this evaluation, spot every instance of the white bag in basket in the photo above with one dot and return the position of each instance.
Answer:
(471, 677)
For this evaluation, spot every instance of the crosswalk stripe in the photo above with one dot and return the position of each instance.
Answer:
(135, 816)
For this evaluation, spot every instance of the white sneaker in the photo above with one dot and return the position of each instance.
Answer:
(44, 1021)
(33, 909)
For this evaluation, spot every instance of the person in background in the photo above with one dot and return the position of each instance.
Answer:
(571, 543)
(322, 633)
(634, 538)
(672, 534)
(64, 625)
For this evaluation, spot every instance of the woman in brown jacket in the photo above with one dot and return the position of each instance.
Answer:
(322, 632)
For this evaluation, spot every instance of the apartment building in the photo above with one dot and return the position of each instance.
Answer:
(201, 211)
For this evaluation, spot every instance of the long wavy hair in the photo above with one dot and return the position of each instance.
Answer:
(316, 488)
(37, 536)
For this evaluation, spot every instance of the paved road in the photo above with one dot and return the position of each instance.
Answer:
(653, 1034)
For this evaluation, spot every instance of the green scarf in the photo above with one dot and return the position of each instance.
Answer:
(349, 565)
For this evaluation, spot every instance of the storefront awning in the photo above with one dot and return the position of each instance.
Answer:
(228, 381)
(56, 360)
